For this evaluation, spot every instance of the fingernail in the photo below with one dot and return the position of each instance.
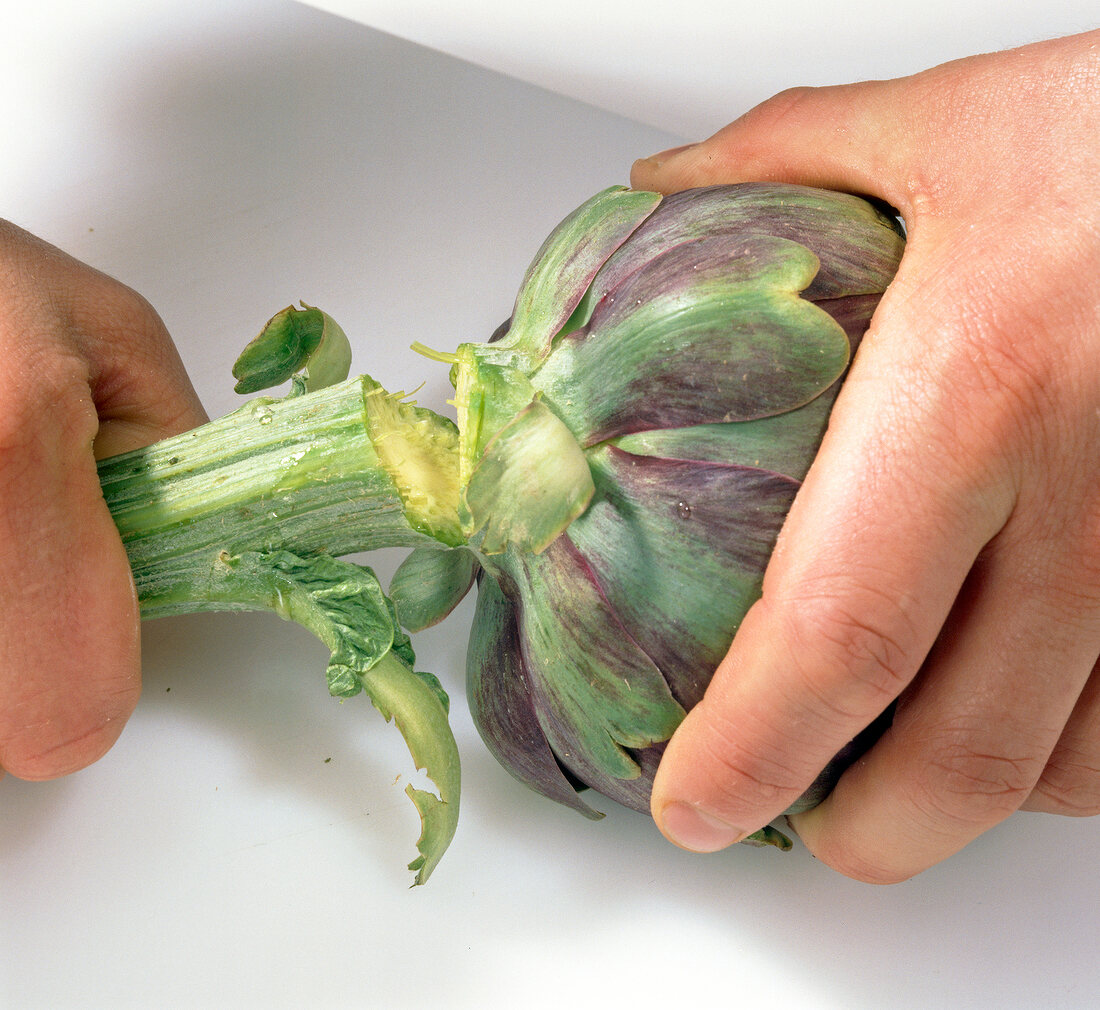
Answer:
(657, 160)
(695, 829)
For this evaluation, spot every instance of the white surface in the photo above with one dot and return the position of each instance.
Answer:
(225, 161)
(691, 66)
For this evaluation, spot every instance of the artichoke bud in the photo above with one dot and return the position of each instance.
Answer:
(631, 444)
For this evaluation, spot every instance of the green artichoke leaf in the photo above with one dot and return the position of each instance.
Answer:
(661, 535)
(306, 344)
(430, 583)
(402, 647)
(340, 602)
(503, 709)
(596, 693)
(766, 836)
(530, 484)
(710, 331)
(411, 700)
(344, 606)
(785, 443)
(565, 265)
(488, 395)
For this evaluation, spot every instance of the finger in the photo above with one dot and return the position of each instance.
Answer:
(896, 139)
(1070, 782)
(829, 137)
(140, 387)
(971, 740)
(135, 376)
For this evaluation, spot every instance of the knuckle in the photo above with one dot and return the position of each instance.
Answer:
(786, 109)
(1008, 385)
(1010, 391)
(133, 319)
(864, 642)
(790, 103)
(970, 782)
(1069, 785)
(743, 769)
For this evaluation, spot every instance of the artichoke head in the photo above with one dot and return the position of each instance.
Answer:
(630, 442)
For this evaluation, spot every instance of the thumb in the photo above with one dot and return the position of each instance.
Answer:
(833, 138)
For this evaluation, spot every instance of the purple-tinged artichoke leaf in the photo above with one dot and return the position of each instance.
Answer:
(661, 535)
(853, 313)
(597, 694)
(634, 793)
(501, 703)
(859, 246)
(430, 583)
(564, 267)
(785, 444)
(711, 331)
(529, 485)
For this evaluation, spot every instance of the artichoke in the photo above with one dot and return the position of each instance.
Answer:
(631, 441)
(625, 450)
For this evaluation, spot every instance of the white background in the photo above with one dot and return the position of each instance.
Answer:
(244, 843)
(690, 66)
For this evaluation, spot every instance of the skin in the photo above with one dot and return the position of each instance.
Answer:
(89, 371)
(945, 548)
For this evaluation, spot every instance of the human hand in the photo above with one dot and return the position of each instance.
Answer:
(89, 371)
(945, 547)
